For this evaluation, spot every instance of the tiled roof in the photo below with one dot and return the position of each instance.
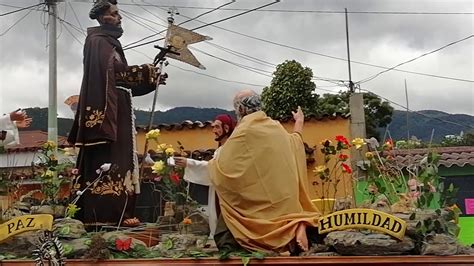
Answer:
(450, 156)
(188, 124)
(32, 140)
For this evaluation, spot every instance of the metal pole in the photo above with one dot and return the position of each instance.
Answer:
(351, 85)
(408, 112)
(155, 96)
(53, 90)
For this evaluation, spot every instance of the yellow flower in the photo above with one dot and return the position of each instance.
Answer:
(158, 167)
(71, 210)
(369, 155)
(319, 169)
(49, 145)
(358, 142)
(162, 147)
(169, 151)
(48, 174)
(153, 134)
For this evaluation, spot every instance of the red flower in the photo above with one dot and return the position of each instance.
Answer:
(343, 157)
(123, 245)
(346, 168)
(342, 139)
(175, 178)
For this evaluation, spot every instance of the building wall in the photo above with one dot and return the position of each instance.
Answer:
(315, 131)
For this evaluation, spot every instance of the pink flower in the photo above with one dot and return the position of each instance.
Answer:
(75, 171)
(157, 178)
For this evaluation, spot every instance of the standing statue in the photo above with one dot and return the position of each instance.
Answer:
(104, 127)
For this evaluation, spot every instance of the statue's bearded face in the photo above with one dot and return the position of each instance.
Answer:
(112, 17)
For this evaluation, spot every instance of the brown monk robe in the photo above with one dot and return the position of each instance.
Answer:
(104, 123)
(260, 177)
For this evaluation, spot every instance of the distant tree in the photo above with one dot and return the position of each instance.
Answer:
(378, 113)
(291, 86)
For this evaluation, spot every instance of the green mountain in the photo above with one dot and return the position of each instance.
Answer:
(175, 115)
(420, 125)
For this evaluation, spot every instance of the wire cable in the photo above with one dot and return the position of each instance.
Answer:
(208, 24)
(75, 16)
(425, 115)
(159, 33)
(413, 59)
(315, 11)
(20, 9)
(328, 56)
(16, 22)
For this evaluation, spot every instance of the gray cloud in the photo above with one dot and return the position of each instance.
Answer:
(384, 40)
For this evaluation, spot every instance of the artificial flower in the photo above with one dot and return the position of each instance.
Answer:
(369, 155)
(326, 142)
(162, 147)
(319, 169)
(49, 145)
(48, 174)
(105, 167)
(343, 140)
(175, 178)
(169, 151)
(343, 157)
(75, 171)
(187, 221)
(153, 134)
(358, 142)
(346, 168)
(158, 167)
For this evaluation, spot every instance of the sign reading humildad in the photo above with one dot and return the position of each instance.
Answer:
(363, 219)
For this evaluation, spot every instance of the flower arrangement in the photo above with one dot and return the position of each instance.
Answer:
(50, 169)
(335, 169)
(166, 177)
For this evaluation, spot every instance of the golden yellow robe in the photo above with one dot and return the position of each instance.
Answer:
(260, 177)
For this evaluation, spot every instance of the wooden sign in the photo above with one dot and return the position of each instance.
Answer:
(363, 219)
(25, 223)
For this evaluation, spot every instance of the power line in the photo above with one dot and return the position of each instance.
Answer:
(18, 10)
(316, 11)
(209, 24)
(16, 22)
(208, 12)
(73, 36)
(159, 33)
(143, 18)
(75, 15)
(425, 115)
(217, 78)
(327, 56)
(413, 59)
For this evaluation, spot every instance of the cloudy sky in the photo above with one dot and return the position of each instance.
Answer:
(378, 39)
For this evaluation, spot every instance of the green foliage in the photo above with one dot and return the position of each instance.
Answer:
(291, 86)
(378, 113)
(49, 168)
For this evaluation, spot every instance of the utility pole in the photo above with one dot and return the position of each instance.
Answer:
(408, 112)
(357, 120)
(351, 84)
(53, 86)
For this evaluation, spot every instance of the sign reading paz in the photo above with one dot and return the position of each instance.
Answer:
(25, 223)
(363, 219)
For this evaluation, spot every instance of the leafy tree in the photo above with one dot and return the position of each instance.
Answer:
(378, 113)
(291, 87)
